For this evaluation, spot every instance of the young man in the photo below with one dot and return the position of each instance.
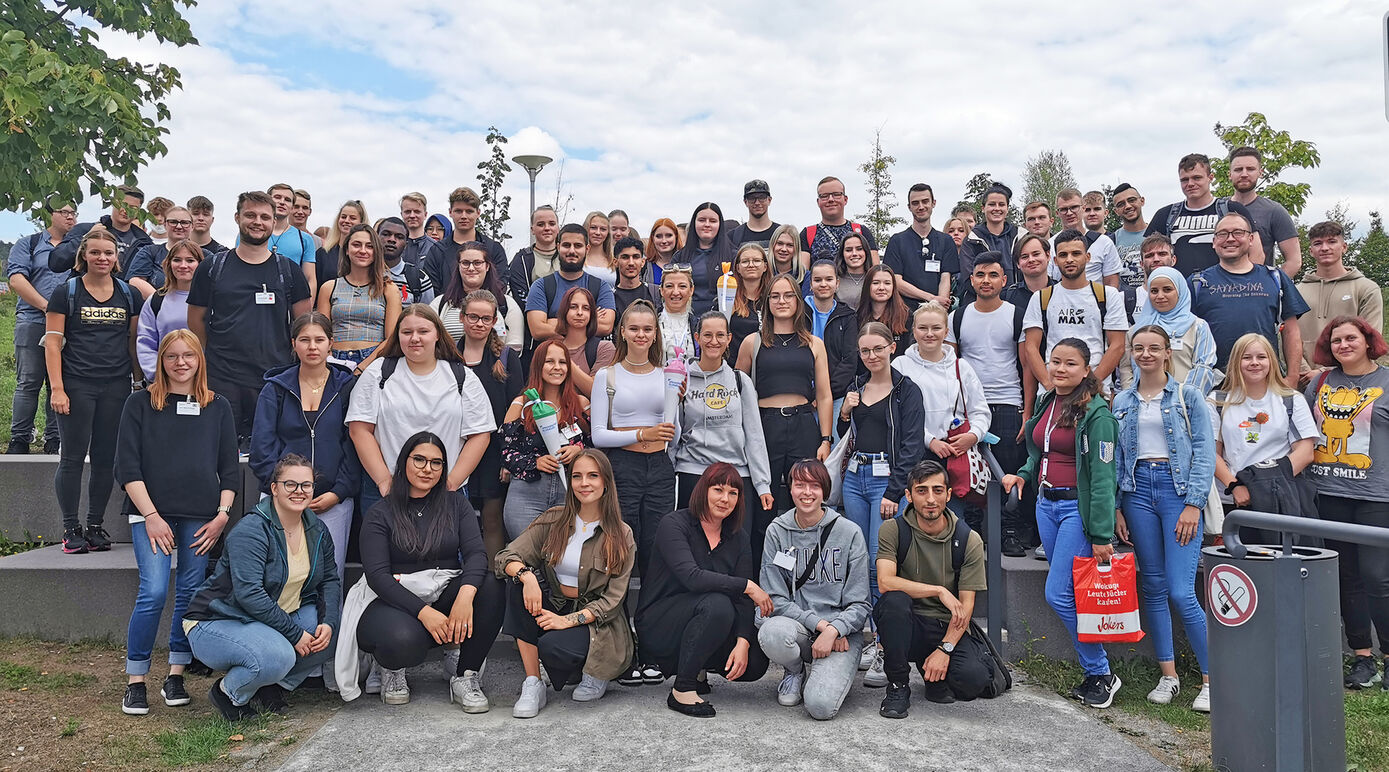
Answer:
(240, 306)
(924, 258)
(120, 221)
(1191, 223)
(442, 262)
(299, 215)
(1128, 240)
(1103, 265)
(290, 240)
(1093, 212)
(146, 270)
(1036, 218)
(630, 262)
(403, 262)
(757, 197)
(1034, 258)
(1273, 221)
(822, 241)
(995, 234)
(988, 334)
(545, 293)
(1238, 296)
(538, 260)
(836, 325)
(966, 214)
(1077, 307)
(1155, 251)
(33, 281)
(201, 209)
(1333, 289)
(924, 612)
(414, 210)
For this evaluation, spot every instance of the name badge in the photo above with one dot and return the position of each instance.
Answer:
(784, 560)
(265, 298)
(1177, 344)
(571, 432)
(880, 468)
(185, 407)
(932, 266)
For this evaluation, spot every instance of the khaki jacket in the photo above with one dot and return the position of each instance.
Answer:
(610, 645)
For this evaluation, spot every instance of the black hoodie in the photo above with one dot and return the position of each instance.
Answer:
(64, 256)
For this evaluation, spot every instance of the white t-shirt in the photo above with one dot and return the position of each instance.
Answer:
(1104, 260)
(415, 403)
(990, 348)
(1073, 313)
(1249, 440)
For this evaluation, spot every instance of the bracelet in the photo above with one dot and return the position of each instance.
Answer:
(826, 438)
(225, 509)
(152, 514)
(639, 439)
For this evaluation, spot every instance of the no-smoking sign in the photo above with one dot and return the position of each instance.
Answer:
(1231, 595)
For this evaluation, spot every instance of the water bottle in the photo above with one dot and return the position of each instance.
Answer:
(676, 372)
(546, 422)
(728, 289)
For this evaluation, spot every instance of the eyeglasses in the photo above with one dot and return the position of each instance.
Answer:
(829, 196)
(66, 212)
(1066, 209)
(291, 486)
(472, 263)
(178, 223)
(478, 319)
(758, 197)
(876, 351)
(752, 261)
(1237, 233)
(422, 462)
(174, 356)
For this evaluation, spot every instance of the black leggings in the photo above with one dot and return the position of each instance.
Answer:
(88, 429)
(1364, 571)
(562, 652)
(790, 438)
(398, 639)
(645, 492)
(687, 633)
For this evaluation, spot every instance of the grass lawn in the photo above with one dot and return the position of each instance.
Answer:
(7, 375)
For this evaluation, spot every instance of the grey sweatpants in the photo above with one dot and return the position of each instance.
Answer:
(787, 643)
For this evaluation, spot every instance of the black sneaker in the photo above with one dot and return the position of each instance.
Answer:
(74, 543)
(98, 540)
(939, 693)
(173, 692)
(51, 447)
(1013, 547)
(228, 709)
(1363, 674)
(897, 702)
(271, 698)
(652, 675)
(1384, 682)
(134, 703)
(631, 677)
(197, 668)
(17, 449)
(1101, 695)
(1084, 688)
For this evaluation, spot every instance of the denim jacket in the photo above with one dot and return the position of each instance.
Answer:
(1190, 441)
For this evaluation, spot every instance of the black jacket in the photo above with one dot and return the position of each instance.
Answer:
(683, 563)
(906, 420)
(64, 256)
(442, 261)
(841, 346)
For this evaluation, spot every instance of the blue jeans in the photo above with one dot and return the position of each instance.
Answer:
(1063, 537)
(863, 496)
(154, 592)
(30, 375)
(1166, 570)
(255, 654)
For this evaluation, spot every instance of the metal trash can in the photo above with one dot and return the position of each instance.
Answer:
(1274, 629)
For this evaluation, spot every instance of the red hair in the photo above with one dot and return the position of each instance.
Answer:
(718, 473)
(664, 222)
(562, 318)
(1374, 341)
(571, 410)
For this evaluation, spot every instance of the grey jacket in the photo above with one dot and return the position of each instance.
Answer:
(837, 590)
(719, 422)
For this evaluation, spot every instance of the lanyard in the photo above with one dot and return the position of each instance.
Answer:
(1046, 441)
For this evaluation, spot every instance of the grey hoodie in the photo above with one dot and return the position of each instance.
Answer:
(837, 591)
(719, 422)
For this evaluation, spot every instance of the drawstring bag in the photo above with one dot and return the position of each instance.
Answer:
(969, 475)
(1106, 600)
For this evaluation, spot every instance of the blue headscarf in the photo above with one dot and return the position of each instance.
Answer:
(444, 221)
(1177, 321)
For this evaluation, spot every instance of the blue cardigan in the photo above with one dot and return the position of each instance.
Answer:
(282, 427)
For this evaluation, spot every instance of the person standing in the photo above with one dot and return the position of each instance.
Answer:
(403, 259)
(1076, 308)
(1128, 239)
(121, 222)
(31, 279)
(835, 324)
(1275, 225)
(995, 234)
(1191, 224)
(759, 227)
(1103, 265)
(922, 256)
(631, 264)
(362, 303)
(167, 309)
(706, 251)
(442, 261)
(1332, 289)
(598, 259)
(1192, 350)
(414, 208)
(822, 241)
(538, 260)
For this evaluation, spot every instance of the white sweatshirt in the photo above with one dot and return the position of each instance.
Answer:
(940, 392)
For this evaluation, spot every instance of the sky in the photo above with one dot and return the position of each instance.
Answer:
(656, 107)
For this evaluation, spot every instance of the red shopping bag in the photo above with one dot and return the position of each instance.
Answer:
(1106, 600)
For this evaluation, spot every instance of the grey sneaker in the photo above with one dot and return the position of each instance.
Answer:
(590, 689)
(373, 685)
(394, 688)
(788, 693)
(450, 664)
(532, 698)
(466, 690)
(866, 657)
(1040, 552)
(875, 677)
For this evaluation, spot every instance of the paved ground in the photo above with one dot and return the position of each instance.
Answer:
(630, 728)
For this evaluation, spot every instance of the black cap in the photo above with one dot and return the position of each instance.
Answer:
(756, 186)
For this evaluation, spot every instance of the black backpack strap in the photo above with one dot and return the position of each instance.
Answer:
(904, 541)
(591, 351)
(156, 303)
(34, 243)
(460, 373)
(388, 366)
(550, 285)
(957, 321)
(815, 556)
(959, 543)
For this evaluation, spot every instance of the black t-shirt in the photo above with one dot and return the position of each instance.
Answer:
(829, 237)
(643, 291)
(921, 261)
(1192, 233)
(97, 333)
(741, 235)
(246, 338)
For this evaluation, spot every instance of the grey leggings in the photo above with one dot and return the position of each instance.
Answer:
(787, 643)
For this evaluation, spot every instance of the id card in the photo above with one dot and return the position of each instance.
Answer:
(1177, 344)
(932, 266)
(265, 298)
(571, 432)
(881, 468)
(784, 560)
(187, 407)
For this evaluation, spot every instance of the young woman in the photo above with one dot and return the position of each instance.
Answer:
(1070, 460)
(619, 225)
(361, 302)
(427, 387)
(957, 230)
(1352, 488)
(499, 370)
(475, 272)
(1193, 346)
(268, 613)
(536, 483)
(881, 302)
(851, 264)
(576, 325)
(421, 527)
(438, 227)
(570, 571)
(168, 308)
(697, 604)
(177, 462)
(720, 421)
(790, 374)
(89, 350)
(705, 252)
(677, 323)
(1165, 459)
(661, 245)
(754, 278)
(328, 259)
(817, 621)
(950, 390)
(599, 260)
(787, 256)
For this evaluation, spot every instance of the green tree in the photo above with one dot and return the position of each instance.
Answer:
(1281, 152)
(69, 113)
(1111, 220)
(495, 209)
(974, 197)
(881, 199)
(1046, 174)
(1372, 256)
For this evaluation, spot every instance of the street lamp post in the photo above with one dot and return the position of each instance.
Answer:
(532, 164)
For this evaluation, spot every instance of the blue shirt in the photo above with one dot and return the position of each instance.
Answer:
(818, 320)
(536, 300)
(34, 267)
(1237, 303)
(294, 244)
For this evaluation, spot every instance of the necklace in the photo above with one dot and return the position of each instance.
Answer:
(642, 363)
(1355, 379)
(319, 387)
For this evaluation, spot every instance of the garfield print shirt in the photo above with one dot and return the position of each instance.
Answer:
(1353, 413)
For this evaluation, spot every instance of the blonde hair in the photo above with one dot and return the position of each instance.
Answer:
(334, 237)
(80, 262)
(159, 387)
(607, 240)
(1233, 385)
(930, 307)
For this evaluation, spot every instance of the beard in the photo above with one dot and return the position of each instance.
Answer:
(247, 238)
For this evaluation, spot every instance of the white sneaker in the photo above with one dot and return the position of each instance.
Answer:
(394, 688)
(866, 657)
(589, 689)
(544, 676)
(466, 690)
(875, 677)
(373, 685)
(788, 693)
(450, 664)
(1167, 688)
(1040, 552)
(1202, 703)
(532, 698)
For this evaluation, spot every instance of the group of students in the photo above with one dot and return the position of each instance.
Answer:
(815, 376)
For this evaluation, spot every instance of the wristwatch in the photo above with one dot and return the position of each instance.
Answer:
(517, 577)
(225, 509)
(946, 646)
(827, 438)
